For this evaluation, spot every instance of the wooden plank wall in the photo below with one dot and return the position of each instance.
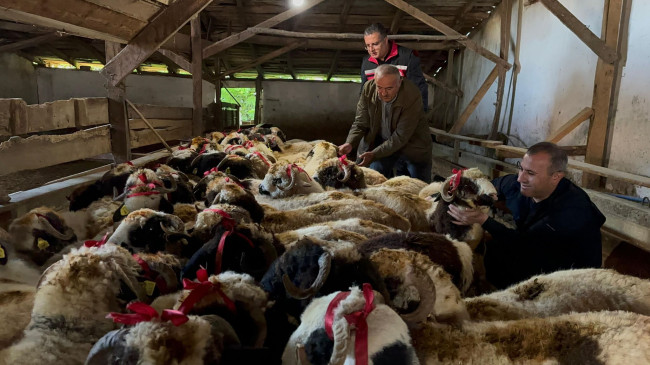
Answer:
(172, 123)
(76, 129)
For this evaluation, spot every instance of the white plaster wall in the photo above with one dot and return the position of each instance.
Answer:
(310, 110)
(18, 78)
(557, 80)
(61, 84)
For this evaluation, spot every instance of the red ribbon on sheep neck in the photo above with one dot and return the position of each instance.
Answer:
(227, 179)
(263, 158)
(300, 169)
(100, 243)
(232, 147)
(249, 144)
(145, 313)
(455, 180)
(145, 182)
(151, 275)
(229, 224)
(214, 169)
(357, 319)
(198, 290)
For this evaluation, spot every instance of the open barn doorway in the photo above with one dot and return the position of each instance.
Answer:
(245, 98)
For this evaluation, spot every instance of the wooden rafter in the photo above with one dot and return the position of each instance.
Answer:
(600, 47)
(469, 109)
(343, 20)
(240, 37)
(395, 23)
(151, 38)
(60, 54)
(462, 12)
(446, 30)
(31, 42)
(264, 58)
(359, 36)
(177, 59)
(94, 52)
(292, 72)
(442, 85)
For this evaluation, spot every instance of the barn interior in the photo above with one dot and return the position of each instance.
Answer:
(88, 84)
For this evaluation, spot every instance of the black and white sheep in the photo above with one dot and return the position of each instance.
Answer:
(387, 337)
(285, 180)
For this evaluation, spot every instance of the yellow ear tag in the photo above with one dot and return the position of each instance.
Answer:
(149, 287)
(2, 253)
(195, 171)
(228, 171)
(124, 210)
(43, 244)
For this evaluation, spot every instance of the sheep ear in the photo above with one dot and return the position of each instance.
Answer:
(111, 347)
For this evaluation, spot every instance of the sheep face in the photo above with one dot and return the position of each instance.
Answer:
(115, 178)
(155, 342)
(144, 189)
(340, 173)
(205, 162)
(181, 160)
(92, 281)
(284, 180)
(234, 138)
(234, 194)
(40, 234)
(238, 166)
(145, 230)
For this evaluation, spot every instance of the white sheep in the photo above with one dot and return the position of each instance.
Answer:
(284, 180)
(73, 297)
(562, 292)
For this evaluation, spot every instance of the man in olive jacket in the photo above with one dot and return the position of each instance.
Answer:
(390, 127)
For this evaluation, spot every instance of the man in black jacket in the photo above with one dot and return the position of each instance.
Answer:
(558, 227)
(381, 51)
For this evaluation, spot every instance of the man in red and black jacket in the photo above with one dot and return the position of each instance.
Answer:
(381, 51)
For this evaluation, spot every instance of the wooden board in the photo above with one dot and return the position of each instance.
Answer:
(160, 112)
(12, 112)
(142, 10)
(469, 109)
(574, 122)
(80, 13)
(19, 154)
(470, 140)
(149, 39)
(138, 124)
(90, 111)
(145, 137)
(51, 116)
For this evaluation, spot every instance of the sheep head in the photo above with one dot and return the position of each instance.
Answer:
(144, 189)
(340, 173)
(40, 234)
(284, 180)
(145, 230)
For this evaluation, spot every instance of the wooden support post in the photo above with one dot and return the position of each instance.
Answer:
(120, 136)
(31, 42)
(603, 90)
(258, 95)
(469, 109)
(218, 122)
(197, 80)
(504, 46)
(449, 80)
(517, 65)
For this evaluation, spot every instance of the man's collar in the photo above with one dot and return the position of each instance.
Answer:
(393, 52)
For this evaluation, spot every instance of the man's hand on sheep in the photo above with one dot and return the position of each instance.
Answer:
(466, 217)
(344, 149)
(366, 158)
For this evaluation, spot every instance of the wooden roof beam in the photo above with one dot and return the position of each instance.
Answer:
(240, 37)
(31, 42)
(395, 23)
(343, 19)
(94, 52)
(266, 57)
(446, 30)
(151, 38)
(600, 48)
(359, 36)
(62, 55)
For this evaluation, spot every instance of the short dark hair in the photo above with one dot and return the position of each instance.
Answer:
(559, 158)
(376, 28)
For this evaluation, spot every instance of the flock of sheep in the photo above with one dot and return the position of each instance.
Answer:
(247, 248)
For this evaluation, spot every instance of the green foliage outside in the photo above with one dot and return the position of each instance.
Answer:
(244, 97)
